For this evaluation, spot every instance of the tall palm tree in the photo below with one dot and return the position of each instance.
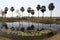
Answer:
(38, 8)
(22, 10)
(32, 12)
(2, 13)
(5, 11)
(43, 9)
(51, 8)
(17, 11)
(12, 9)
(29, 11)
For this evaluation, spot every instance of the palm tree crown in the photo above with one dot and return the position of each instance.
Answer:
(38, 7)
(29, 9)
(32, 12)
(51, 6)
(6, 9)
(12, 9)
(43, 9)
(22, 9)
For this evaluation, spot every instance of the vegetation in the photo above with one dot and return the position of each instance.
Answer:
(37, 33)
(4, 38)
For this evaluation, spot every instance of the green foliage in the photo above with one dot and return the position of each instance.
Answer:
(38, 7)
(43, 9)
(22, 9)
(12, 9)
(51, 6)
(37, 33)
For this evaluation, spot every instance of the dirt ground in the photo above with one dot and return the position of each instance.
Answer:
(55, 37)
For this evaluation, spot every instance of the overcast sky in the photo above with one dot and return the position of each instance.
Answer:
(17, 4)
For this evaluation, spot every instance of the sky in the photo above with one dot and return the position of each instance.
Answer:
(17, 4)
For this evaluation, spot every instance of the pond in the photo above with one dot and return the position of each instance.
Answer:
(28, 24)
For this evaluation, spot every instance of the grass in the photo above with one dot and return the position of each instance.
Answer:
(38, 33)
(32, 19)
(4, 38)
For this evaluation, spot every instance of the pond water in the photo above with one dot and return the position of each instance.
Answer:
(26, 24)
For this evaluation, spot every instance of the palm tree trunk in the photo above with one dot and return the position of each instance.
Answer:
(38, 14)
(50, 18)
(42, 20)
(19, 19)
(28, 19)
(38, 19)
(51, 15)
(22, 19)
(32, 20)
(12, 19)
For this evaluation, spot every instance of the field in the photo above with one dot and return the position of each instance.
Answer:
(33, 19)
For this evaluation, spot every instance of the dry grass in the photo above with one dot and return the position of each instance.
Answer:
(55, 37)
(4, 38)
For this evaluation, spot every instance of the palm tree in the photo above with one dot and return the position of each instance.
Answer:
(32, 12)
(5, 11)
(17, 11)
(22, 10)
(29, 11)
(38, 8)
(12, 9)
(2, 12)
(51, 8)
(43, 9)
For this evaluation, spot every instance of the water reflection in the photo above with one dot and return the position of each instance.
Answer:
(31, 27)
(6, 25)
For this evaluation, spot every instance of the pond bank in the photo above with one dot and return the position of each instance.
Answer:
(33, 19)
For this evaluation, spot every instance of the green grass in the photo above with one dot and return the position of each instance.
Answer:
(38, 33)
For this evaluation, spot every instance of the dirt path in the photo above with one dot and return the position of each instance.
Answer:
(55, 37)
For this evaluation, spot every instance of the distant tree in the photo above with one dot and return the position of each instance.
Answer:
(22, 10)
(29, 10)
(17, 11)
(43, 9)
(5, 10)
(2, 13)
(38, 8)
(51, 8)
(12, 9)
(32, 12)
